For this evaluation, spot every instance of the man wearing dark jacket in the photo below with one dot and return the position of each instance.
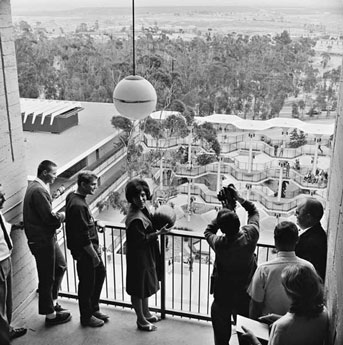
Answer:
(234, 265)
(83, 242)
(312, 244)
(40, 224)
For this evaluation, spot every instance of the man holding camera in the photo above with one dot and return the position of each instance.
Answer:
(83, 242)
(234, 264)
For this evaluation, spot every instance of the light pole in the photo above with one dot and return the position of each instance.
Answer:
(283, 145)
(189, 201)
(251, 135)
(218, 175)
(281, 164)
(190, 147)
(161, 173)
(315, 158)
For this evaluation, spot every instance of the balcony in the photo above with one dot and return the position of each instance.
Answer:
(121, 329)
(183, 300)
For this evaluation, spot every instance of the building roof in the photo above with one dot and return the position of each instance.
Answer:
(45, 108)
(69, 147)
(258, 125)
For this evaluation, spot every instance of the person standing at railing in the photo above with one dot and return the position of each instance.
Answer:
(235, 262)
(267, 293)
(40, 224)
(142, 254)
(312, 244)
(83, 242)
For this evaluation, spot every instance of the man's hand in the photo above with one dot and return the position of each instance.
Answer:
(269, 318)
(250, 336)
(18, 226)
(62, 216)
(164, 230)
(101, 226)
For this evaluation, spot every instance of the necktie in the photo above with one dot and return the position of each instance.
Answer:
(7, 238)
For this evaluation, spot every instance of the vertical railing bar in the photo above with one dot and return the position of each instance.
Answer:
(65, 254)
(190, 273)
(163, 280)
(113, 264)
(181, 280)
(105, 259)
(199, 281)
(173, 273)
(121, 261)
(208, 280)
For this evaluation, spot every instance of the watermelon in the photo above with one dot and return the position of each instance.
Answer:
(164, 215)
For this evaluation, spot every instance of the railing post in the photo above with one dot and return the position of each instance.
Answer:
(163, 277)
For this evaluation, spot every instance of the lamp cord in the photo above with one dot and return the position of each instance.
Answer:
(133, 39)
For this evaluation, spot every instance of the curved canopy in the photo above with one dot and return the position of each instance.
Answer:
(258, 125)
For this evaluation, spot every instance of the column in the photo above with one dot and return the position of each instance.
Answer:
(315, 158)
(219, 175)
(281, 164)
(251, 135)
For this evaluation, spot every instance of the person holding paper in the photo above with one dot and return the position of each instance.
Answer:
(307, 321)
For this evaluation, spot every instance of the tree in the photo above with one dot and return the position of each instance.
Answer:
(295, 110)
(302, 105)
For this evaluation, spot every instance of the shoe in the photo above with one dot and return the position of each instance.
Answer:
(154, 318)
(99, 315)
(61, 317)
(17, 332)
(147, 328)
(92, 322)
(58, 308)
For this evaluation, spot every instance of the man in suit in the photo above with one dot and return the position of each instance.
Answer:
(312, 244)
(40, 224)
(7, 332)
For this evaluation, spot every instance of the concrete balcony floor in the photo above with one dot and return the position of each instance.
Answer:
(121, 329)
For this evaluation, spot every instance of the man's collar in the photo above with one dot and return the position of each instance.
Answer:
(285, 254)
(43, 184)
(302, 231)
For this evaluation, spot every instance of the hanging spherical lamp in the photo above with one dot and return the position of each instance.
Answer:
(134, 97)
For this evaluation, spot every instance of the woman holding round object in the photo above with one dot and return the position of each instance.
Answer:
(142, 253)
(307, 321)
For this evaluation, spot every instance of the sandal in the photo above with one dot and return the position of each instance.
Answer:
(154, 318)
(146, 328)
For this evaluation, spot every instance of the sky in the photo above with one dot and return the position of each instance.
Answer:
(69, 4)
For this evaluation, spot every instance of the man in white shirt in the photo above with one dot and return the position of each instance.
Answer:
(267, 293)
(6, 245)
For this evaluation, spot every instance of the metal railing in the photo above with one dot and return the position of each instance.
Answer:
(185, 285)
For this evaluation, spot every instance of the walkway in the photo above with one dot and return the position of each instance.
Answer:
(120, 330)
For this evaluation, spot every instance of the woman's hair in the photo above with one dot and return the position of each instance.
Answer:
(135, 187)
(304, 286)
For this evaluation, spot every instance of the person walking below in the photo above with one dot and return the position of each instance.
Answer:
(83, 242)
(40, 224)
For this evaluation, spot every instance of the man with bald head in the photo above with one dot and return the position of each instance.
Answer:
(312, 244)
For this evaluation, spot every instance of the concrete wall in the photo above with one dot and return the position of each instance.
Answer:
(334, 278)
(12, 157)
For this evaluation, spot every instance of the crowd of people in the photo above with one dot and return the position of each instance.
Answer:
(286, 291)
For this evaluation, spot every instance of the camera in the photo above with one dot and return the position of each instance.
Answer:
(227, 196)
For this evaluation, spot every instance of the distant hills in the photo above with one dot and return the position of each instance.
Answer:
(108, 11)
